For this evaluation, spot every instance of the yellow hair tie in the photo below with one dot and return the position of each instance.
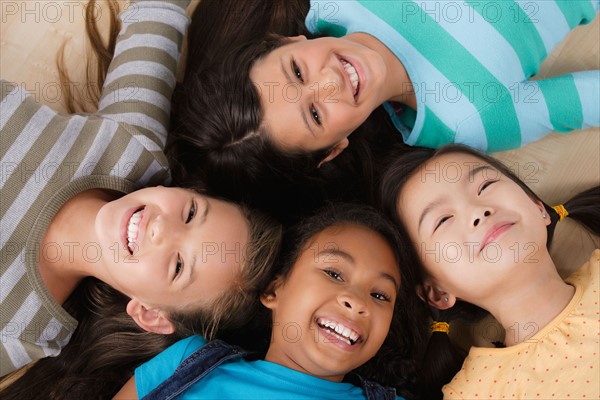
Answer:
(561, 211)
(437, 326)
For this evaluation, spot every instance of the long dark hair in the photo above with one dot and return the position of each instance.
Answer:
(217, 135)
(218, 25)
(443, 359)
(92, 371)
(216, 140)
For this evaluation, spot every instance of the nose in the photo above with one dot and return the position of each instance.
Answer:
(479, 218)
(330, 83)
(353, 303)
(162, 230)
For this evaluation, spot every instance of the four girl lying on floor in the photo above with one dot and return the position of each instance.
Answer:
(348, 295)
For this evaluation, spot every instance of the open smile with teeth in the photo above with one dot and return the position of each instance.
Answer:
(133, 230)
(352, 74)
(340, 331)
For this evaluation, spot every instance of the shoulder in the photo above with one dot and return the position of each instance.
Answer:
(588, 273)
(150, 374)
(179, 351)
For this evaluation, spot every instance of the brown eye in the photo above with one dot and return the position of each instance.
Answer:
(333, 274)
(380, 296)
(296, 71)
(315, 115)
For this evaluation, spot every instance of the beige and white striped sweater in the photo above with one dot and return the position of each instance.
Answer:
(46, 158)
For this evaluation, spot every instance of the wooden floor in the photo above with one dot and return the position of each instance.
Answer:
(556, 167)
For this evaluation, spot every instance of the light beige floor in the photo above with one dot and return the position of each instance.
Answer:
(556, 167)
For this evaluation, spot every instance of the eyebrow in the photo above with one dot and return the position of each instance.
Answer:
(475, 171)
(301, 109)
(427, 210)
(351, 261)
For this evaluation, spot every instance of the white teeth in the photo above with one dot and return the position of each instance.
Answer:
(132, 230)
(344, 332)
(351, 71)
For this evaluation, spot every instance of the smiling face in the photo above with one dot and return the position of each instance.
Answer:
(314, 93)
(171, 247)
(474, 227)
(333, 312)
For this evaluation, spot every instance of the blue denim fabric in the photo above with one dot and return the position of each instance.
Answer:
(373, 390)
(210, 356)
(195, 367)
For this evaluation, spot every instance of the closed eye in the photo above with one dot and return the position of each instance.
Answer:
(441, 221)
(178, 266)
(485, 185)
(191, 213)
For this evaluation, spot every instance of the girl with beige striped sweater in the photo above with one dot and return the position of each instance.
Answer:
(71, 208)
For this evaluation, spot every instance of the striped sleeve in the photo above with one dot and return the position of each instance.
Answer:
(568, 102)
(141, 76)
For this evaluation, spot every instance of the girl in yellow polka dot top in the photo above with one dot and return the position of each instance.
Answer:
(481, 236)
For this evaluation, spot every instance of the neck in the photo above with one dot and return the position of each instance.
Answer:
(62, 261)
(399, 86)
(532, 303)
(278, 355)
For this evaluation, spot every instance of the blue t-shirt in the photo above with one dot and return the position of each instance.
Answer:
(241, 379)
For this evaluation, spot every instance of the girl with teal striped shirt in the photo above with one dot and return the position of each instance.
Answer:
(445, 72)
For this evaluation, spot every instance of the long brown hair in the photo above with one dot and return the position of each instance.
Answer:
(105, 348)
(98, 59)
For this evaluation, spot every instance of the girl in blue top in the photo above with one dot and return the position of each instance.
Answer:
(339, 303)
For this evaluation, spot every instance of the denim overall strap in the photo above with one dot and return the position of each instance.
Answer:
(373, 390)
(195, 367)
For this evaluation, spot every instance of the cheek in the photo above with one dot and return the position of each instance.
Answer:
(384, 316)
(382, 326)
(141, 272)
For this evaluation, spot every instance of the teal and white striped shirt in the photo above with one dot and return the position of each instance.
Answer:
(470, 63)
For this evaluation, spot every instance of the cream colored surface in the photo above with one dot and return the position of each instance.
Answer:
(32, 33)
(556, 167)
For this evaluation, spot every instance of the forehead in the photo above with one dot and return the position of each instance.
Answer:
(366, 248)
(450, 169)
(221, 238)
(447, 174)
(283, 102)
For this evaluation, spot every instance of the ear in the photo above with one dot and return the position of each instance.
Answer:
(339, 147)
(269, 297)
(298, 38)
(149, 319)
(435, 297)
(545, 216)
